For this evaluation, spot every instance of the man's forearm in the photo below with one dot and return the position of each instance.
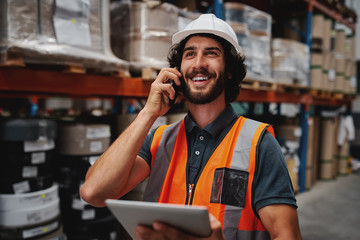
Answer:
(110, 174)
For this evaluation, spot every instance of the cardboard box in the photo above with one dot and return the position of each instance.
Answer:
(328, 128)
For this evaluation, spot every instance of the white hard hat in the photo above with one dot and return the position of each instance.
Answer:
(208, 23)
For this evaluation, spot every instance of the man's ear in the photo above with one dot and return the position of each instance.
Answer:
(229, 76)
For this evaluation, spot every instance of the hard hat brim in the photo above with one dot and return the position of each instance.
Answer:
(179, 36)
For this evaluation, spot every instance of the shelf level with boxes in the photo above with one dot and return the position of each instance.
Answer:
(23, 82)
(332, 68)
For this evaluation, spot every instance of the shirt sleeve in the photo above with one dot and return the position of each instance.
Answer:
(145, 152)
(272, 183)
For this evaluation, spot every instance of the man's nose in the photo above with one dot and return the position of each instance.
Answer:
(200, 62)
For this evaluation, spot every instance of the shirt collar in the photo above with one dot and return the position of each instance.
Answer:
(215, 127)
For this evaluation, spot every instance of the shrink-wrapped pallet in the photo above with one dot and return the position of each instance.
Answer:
(255, 20)
(253, 29)
(141, 32)
(70, 32)
(290, 63)
(258, 59)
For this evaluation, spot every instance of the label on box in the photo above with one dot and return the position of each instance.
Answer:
(77, 204)
(38, 157)
(93, 133)
(297, 132)
(96, 146)
(29, 172)
(353, 81)
(332, 74)
(41, 198)
(39, 145)
(21, 187)
(88, 214)
(33, 232)
(71, 22)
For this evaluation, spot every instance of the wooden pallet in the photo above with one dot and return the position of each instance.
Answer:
(15, 58)
(330, 94)
(291, 88)
(257, 85)
(149, 73)
(11, 59)
(321, 93)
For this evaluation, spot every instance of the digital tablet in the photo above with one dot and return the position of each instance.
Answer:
(191, 219)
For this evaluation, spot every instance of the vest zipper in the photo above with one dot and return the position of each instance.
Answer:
(189, 194)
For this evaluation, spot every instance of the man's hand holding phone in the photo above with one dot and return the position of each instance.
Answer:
(162, 91)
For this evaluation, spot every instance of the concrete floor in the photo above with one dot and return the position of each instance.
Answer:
(331, 210)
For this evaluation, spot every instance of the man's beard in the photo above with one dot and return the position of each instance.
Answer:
(211, 95)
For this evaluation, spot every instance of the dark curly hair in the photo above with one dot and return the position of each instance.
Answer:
(234, 64)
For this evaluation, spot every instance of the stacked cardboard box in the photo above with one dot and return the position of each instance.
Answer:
(141, 32)
(253, 28)
(58, 32)
(328, 148)
(343, 158)
(320, 51)
(332, 62)
(312, 151)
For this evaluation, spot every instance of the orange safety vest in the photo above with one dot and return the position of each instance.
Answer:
(236, 153)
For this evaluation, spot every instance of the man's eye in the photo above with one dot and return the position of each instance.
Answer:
(212, 53)
(189, 54)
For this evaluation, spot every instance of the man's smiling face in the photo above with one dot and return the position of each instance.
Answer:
(203, 68)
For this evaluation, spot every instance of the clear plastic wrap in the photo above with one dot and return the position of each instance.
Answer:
(260, 46)
(253, 30)
(235, 12)
(27, 27)
(256, 49)
(257, 21)
(243, 36)
(258, 68)
(258, 58)
(290, 61)
(141, 32)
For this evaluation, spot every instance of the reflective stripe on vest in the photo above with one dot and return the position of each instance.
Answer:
(164, 141)
(236, 153)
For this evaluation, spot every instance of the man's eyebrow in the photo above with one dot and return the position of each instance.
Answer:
(189, 48)
(213, 48)
(208, 48)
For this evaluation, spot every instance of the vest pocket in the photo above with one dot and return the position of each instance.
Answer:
(229, 187)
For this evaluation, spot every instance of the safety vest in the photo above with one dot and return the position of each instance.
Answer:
(224, 185)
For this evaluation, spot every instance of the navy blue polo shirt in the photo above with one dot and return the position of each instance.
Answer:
(271, 183)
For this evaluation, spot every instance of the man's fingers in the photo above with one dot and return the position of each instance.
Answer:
(147, 233)
(167, 89)
(215, 225)
(167, 74)
(169, 232)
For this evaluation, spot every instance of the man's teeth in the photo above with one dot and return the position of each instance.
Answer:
(200, 78)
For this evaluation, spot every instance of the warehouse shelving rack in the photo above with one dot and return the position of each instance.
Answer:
(307, 100)
(26, 82)
(304, 116)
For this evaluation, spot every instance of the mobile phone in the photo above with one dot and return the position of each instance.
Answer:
(176, 88)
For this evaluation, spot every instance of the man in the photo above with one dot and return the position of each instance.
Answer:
(212, 157)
